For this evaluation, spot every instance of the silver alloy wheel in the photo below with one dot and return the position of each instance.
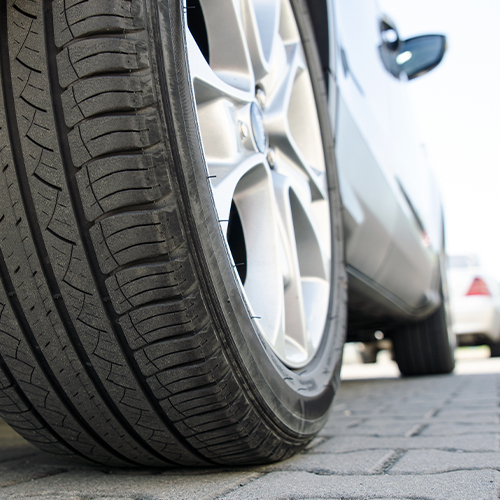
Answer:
(264, 153)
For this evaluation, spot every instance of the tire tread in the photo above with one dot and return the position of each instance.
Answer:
(423, 348)
(104, 330)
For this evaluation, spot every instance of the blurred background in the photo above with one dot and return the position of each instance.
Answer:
(457, 108)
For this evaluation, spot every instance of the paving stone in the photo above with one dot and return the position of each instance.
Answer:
(472, 408)
(36, 465)
(98, 485)
(364, 411)
(357, 462)
(412, 408)
(485, 418)
(340, 422)
(454, 429)
(476, 399)
(475, 442)
(63, 497)
(467, 485)
(433, 461)
(468, 412)
(381, 428)
(407, 411)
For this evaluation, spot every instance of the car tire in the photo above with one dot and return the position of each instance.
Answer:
(368, 352)
(127, 334)
(494, 349)
(425, 347)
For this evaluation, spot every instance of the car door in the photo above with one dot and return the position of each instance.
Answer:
(379, 163)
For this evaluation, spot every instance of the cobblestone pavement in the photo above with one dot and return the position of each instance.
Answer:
(388, 438)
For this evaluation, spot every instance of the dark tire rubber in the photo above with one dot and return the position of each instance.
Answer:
(427, 347)
(494, 349)
(424, 347)
(369, 352)
(124, 336)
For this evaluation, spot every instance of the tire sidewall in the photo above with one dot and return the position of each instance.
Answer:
(295, 402)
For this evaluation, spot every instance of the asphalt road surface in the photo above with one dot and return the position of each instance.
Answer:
(387, 438)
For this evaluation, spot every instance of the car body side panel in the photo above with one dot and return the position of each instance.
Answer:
(410, 166)
(392, 212)
(369, 206)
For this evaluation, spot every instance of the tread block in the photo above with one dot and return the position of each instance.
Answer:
(186, 378)
(206, 399)
(168, 354)
(60, 225)
(100, 55)
(26, 36)
(74, 18)
(35, 127)
(232, 437)
(235, 411)
(115, 182)
(136, 286)
(32, 90)
(131, 236)
(37, 390)
(27, 8)
(156, 322)
(110, 134)
(106, 94)
(257, 447)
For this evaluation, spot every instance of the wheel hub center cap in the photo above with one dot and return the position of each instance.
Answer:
(258, 129)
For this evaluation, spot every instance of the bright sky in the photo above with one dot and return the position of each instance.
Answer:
(457, 106)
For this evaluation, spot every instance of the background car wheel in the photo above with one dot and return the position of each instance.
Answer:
(425, 347)
(171, 252)
(494, 349)
(368, 352)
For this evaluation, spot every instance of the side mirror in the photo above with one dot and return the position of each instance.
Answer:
(416, 56)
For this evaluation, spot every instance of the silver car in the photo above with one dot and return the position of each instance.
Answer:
(193, 193)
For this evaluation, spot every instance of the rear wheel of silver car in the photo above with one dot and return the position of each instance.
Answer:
(494, 349)
(426, 347)
(171, 258)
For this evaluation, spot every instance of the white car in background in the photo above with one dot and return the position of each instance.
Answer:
(475, 303)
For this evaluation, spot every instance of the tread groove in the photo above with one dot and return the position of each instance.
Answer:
(27, 200)
(30, 408)
(59, 304)
(83, 227)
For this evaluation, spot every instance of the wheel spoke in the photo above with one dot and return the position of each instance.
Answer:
(303, 120)
(262, 22)
(218, 126)
(257, 209)
(208, 85)
(310, 223)
(225, 178)
(307, 267)
(287, 146)
(292, 121)
(229, 54)
(295, 318)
